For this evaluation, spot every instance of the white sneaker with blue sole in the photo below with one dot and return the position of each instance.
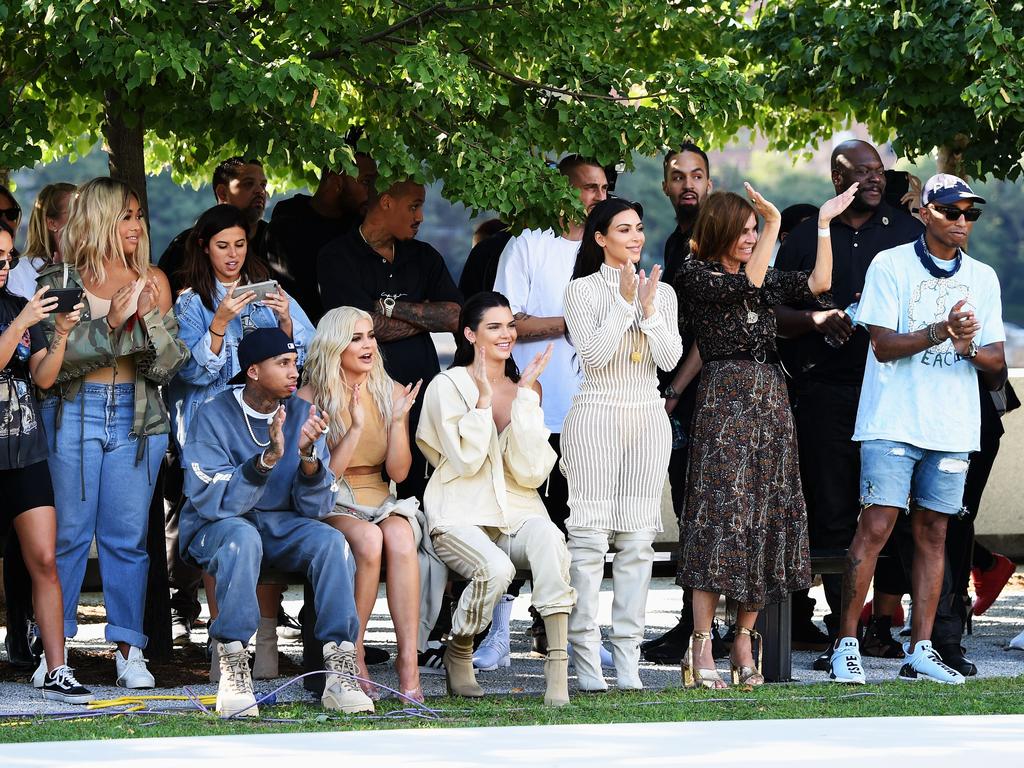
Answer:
(846, 663)
(924, 663)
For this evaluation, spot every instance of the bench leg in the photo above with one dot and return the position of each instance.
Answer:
(774, 624)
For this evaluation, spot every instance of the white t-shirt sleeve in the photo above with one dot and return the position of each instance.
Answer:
(989, 309)
(513, 277)
(880, 301)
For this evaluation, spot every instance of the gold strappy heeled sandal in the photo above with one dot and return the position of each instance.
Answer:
(699, 678)
(748, 675)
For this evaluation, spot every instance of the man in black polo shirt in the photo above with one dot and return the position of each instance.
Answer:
(302, 225)
(826, 357)
(238, 182)
(381, 268)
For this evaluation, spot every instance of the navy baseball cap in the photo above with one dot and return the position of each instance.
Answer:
(259, 345)
(944, 188)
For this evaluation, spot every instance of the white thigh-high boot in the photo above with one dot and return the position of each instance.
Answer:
(494, 650)
(587, 548)
(631, 577)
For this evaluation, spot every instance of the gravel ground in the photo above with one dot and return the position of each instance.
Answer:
(986, 647)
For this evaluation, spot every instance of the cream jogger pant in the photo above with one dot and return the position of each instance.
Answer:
(489, 558)
(631, 576)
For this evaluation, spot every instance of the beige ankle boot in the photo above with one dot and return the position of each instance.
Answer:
(458, 668)
(556, 666)
(265, 661)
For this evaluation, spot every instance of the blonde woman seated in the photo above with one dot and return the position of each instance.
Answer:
(368, 438)
(483, 430)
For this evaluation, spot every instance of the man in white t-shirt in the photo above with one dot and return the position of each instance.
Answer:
(935, 320)
(533, 273)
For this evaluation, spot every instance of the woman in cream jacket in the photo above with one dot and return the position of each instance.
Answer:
(482, 429)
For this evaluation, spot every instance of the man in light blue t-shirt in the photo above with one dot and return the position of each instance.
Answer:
(935, 320)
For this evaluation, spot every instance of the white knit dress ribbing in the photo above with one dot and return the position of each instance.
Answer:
(616, 439)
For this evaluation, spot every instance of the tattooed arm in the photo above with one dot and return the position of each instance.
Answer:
(530, 328)
(410, 318)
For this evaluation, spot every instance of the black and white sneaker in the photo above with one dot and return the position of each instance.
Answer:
(846, 664)
(926, 664)
(60, 685)
(431, 661)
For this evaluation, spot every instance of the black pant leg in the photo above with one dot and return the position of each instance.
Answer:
(183, 578)
(555, 493)
(18, 592)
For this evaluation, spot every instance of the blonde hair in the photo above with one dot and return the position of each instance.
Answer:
(323, 371)
(90, 236)
(41, 241)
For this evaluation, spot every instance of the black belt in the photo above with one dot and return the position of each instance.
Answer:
(765, 357)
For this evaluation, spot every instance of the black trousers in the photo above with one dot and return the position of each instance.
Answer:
(555, 493)
(183, 578)
(825, 415)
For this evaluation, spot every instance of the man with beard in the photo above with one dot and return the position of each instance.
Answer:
(238, 182)
(302, 225)
(826, 356)
(686, 184)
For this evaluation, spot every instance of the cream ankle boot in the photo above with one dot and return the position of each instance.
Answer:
(556, 666)
(458, 668)
(265, 662)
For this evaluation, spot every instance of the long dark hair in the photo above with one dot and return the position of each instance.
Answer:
(197, 270)
(472, 314)
(591, 255)
(5, 227)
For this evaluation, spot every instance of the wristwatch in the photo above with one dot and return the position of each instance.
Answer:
(972, 351)
(388, 301)
(670, 393)
(311, 456)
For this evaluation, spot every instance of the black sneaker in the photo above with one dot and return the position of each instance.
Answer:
(806, 636)
(431, 661)
(60, 685)
(669, 647)
(877, 640)
(953, 656)
(374, 655)
(288, 628)
(538, 634)
(824, 661)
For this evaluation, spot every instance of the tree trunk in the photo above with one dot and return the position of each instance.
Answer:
(951, 155)
(123, 129)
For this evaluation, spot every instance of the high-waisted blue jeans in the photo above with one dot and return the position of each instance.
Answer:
(94, 455)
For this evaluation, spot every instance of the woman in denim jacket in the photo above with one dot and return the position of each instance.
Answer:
(213, 315)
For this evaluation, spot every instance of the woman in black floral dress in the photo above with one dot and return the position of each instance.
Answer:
(743, 529)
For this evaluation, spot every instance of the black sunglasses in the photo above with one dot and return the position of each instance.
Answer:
(11, 214)
(952, 213)
(11, 262)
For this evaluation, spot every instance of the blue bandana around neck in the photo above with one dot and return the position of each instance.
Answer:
(925, 257)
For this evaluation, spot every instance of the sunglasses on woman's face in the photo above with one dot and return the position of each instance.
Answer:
(952, 213)
(11, 262)
(11, 214)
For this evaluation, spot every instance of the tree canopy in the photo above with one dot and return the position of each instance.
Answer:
(470, 93)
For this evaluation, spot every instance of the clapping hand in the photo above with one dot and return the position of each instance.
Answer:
(120, 306)
(275, 450)
(404, 401)
(962, 326)
(149, 297)
(536, 367)
(312, 430)
(357, 414)
(833, 207)
(762, 206)
(478, 371)
(648, 289)
(628, 282)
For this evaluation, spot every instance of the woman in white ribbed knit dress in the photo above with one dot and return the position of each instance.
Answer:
(617, 438)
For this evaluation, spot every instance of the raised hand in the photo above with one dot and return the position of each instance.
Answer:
(313, 428)
(275, 450)
(478, 370)
(37, 308)
(648, 289)
(120, 306)
(149, 297)
(66, 321)
(404, 401)
(628, 281)
(356, 412)
(536, 367)
(229, 308)
(762, 206)
(832, 208)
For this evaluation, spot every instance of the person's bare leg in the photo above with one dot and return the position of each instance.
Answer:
(268, 596)
(367, 542)
(704, 606)
(403, 590)
(929, 530)
(37, 533)
(873, 531)
(742, 653)
(884, 604)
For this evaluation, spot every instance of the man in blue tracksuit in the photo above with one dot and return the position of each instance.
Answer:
(256, 487)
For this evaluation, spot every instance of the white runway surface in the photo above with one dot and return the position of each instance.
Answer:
(835, 743)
